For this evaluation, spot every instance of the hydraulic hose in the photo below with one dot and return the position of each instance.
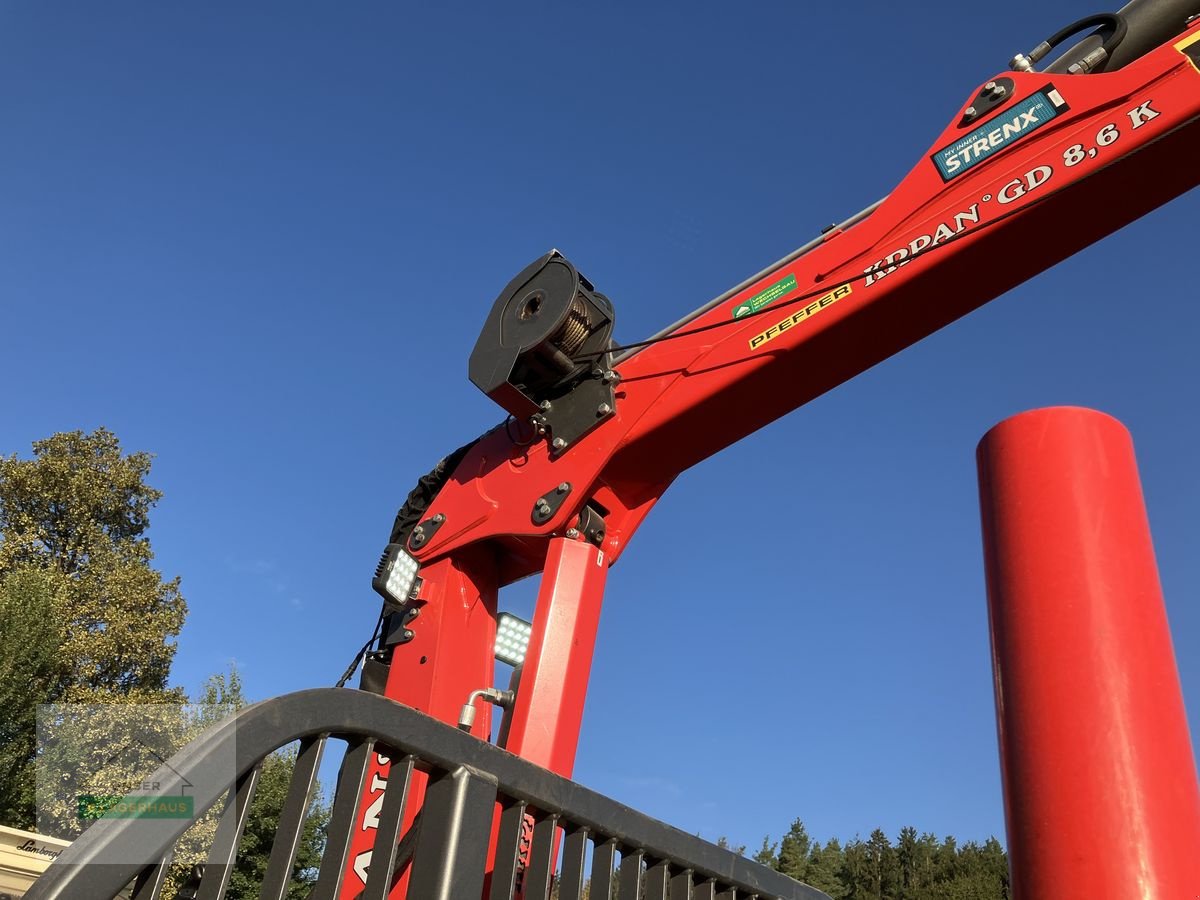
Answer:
(1149, 23)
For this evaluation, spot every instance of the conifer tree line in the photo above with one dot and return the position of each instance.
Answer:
(914, 867)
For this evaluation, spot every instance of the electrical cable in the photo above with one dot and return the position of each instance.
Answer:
(924, 251)
(358, 657)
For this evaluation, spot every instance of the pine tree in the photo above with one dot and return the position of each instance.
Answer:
(824, 865)
(794, 848)
(766, 853)
(881, 864)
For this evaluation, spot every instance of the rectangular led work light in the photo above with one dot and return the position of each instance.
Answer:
(396, 575)
(512, 639)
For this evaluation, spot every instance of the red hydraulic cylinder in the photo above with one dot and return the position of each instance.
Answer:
(1100, 790)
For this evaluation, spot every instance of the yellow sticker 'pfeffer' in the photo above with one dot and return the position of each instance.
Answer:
(804, 312)
(1190, 47)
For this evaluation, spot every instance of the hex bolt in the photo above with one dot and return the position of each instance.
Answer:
(990, 86)
(564, 487)
(1000, 91)
(610, 376)
(408, 635)
(603, 409)
(572, 533)
(546, 405)
(970, 111)
(439, 519)
(542, 506)
(558, 443)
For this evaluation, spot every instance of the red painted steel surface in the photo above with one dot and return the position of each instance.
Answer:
(545, 720)
(449, 656)
(1101, 797)
(1127, 144)
(549, 708)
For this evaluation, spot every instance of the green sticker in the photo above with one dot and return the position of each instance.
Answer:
(136, 806)
(765, 297)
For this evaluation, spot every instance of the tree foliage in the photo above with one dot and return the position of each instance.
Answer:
(223, 695)
(85, 617)
(913, 868)
(79, 510)
(29, 670)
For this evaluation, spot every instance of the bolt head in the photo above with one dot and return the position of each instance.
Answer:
(439, 519)
(990, 86)
(970, 111)
(572, 533)
(558, 443)
(1000, 91)
(603, 409)
(564, 487)
(546, 405)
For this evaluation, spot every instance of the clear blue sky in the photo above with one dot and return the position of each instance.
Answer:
(259, 241)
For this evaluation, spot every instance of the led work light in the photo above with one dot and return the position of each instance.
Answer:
(512, 639)
(396, 576)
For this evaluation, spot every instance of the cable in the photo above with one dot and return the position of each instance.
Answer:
(358, 657)
(924, 251)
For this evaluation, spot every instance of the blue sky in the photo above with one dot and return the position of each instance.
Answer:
(259, 241)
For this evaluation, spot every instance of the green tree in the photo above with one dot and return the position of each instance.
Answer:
(794, 848)
(723, 843)
(220, 697)
(29, 674)
(881, 866)
(766, 853)
(79, 510)
(855, 871)
(85, 618)
(824, 865)
(915, 864)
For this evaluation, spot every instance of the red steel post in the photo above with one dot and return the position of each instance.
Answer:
(543, 726)
(1101, 797)
(548, 712)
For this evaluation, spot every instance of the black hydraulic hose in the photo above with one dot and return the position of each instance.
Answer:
(1095, 58)
(1150, 23)
(1115, 21)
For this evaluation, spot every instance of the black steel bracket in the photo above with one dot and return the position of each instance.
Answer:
(424, 531)
(590, 525)
(547, 504)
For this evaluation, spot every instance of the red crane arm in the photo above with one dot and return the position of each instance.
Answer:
(1034, 168)
(1065, 161)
